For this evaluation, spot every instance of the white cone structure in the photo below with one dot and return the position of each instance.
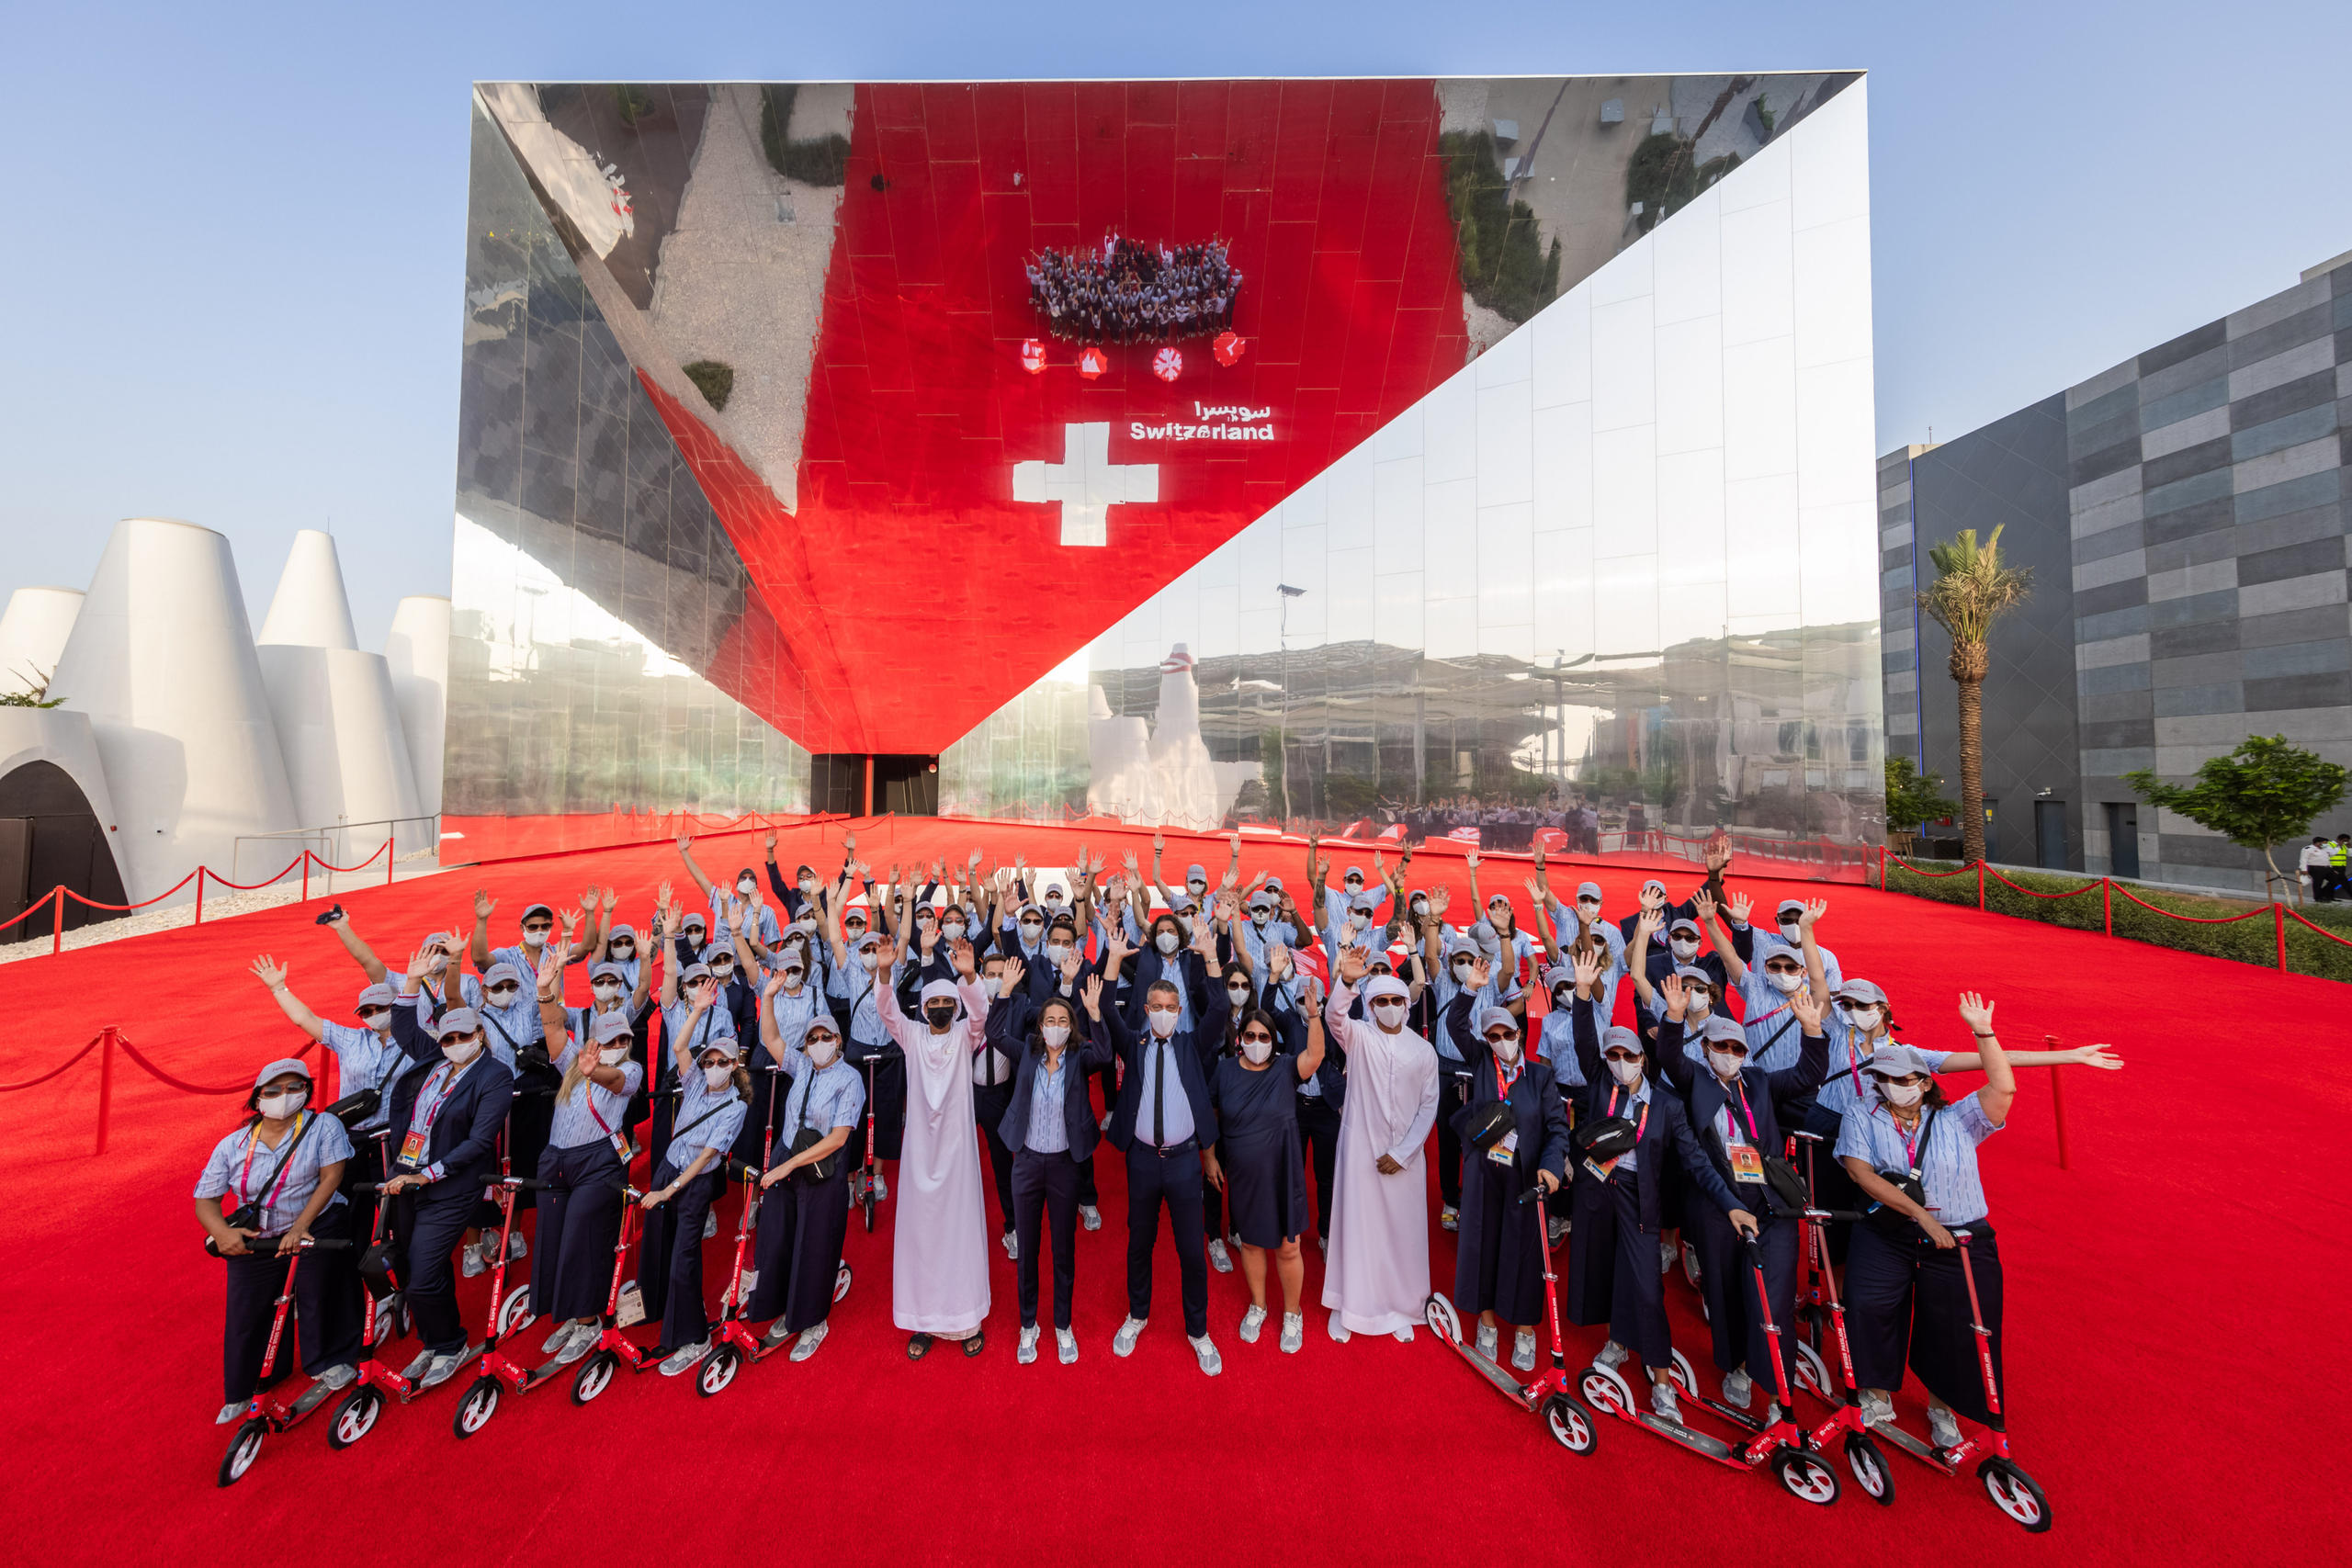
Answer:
(311, 607)
(162, 660)
(338, 723)
(32, 636)
(418, 652)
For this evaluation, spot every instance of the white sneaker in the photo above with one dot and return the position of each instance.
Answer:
(1611, 1355)
(1251, 1322)
(1106, 1122)
(417, 1368)
(1339, 1329)
(340, 1376)
(556, 1336)
(1219, 1259)
(1012, 1246)
(1027, 1351)
(1943, 1428)
(1204, 1351)
(1739, 1388)
(1489, 1339)
(709, 1225)
(471, 1265)
(751, 1283)
(1124, 1342)
(810, 1339)
(1294, 1333)
(1322, 1246)
(1772, 1412)
(1667, 1256)
(1405, 1335)
(1090, 1216)
(1662, 1400)
(1559, 1229)
(443, 1368)
(1449, 1218)
(1522, 1350)
(684, 1356)
(1877, 1409)
(582, 1339)
(776, 1335)
(229, 1412)
(1066, 1344)
(881, 1188)
(518, 1248)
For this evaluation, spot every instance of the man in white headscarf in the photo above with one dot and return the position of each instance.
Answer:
(1377, 1274)
(938, 1254)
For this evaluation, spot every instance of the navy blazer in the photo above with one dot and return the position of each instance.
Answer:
(1775, 1100)
(1011, 1028)
(1665, 1132)
(1191, 1058)
(465, 1135)
(1537, 1109)
(1190, 971)
(1333, 1073)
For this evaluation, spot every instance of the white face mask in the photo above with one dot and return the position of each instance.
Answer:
(1056, 952)
(1420, 905)
(1867, 1018)
(1031, 930)
(1726, 1065)
(535, 939)
(460, 1052)
(1697, 1004)
(809, 886)
(279, 1106)
(382, 1023)
(717, 1076)
(1626, 1073)
(1238, 995)
(1902, 1096)
(1389, 1013)
(1166, 942)
(605, 990)
(613, 1056)
(870, 960)
(952, 931)
(746, 887)
(1259, 917)
(1589, 910)
(1256, 1051)
(792, 979)
(1056, 1035)
(1563, 999)
(1783, 982)
(822, 1052)
(1197, 889)
(1505, 1052)
(1163, 1021)
(1684, 948)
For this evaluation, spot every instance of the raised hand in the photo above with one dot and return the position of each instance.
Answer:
(269, 972)
(1158, 842)
(1071, 965)
(1675, 990)
(1975, 1012)
(961, 954)
(1718, 849)
(483, 904)
(1009, 981)
(1471, 860)
(974, 862)
(1092, 995)
(735, 915)
(775, 988)
(425, 960)
(551, 971)
(1803, 1003)
(1646, 927)
(607, 899)
(1652, 899)
(1704, 902)
(662, 895)
(1440, 901)
(1740, 904)
(770, 846)
(1353, 964)
(1480, 973)
(2100, 1056)
(685, 842)
(1813, 913)
(1134, 870)
(1588, 969)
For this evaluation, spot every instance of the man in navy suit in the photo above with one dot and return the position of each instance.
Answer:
(447, 1110)
(1164, 1124)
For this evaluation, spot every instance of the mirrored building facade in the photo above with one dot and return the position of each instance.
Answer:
(1436, 451)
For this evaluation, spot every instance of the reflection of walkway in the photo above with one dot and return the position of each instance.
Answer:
(739, 284)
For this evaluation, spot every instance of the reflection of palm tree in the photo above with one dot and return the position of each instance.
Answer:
(1972, 590)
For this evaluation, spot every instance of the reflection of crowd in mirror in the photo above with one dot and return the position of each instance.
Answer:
(1513, 826)
(1125, 292)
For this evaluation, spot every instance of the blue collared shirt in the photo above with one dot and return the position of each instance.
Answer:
(1049, 1131)
(865, 1011)
(770, 931)
(1947, 1165)
(1630, 1109)
(677, 1025)
(575, 1122)
(1846, 1086)
(511, 1027)
(707, 1119)
(236, 1180)
(370, 1060)
(1764, 1013)
(824, 1097)
(1177, 1124)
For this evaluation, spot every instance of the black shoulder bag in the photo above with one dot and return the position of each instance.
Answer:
(251, 1215)
(816, 1172)
(1893, 1224)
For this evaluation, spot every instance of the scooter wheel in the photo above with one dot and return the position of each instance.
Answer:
(2012, 1492)
(1570, 1424)
(1807, 1479)
(1605, 1388)
(867, 1202)
(388, 1322)
(479, 1405)
(514, 1313)
(718, 1369)
(244, 1448)
(593, 1374)
(842, 1277)
(1690, 1264)
(1811, 1373)
(355, 1416)
(1444, 1321)
(1869, 1465)
(1684, 1378)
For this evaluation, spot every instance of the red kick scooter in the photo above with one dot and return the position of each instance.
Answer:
(2006, 1482)
(1783, 1445)
(1565, 1417)
(497, 1369)
(509, 1314)
(386, 1319)
(736, 1345)
(615, 1349)
(269, 1410)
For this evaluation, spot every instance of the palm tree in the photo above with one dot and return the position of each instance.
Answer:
(1971, 592)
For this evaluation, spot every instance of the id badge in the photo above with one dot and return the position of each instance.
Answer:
(1506, 1148)
(1600, 1172)
(414, 1149)
(1747, 1165)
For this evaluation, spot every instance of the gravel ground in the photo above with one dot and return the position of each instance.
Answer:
(219, 905)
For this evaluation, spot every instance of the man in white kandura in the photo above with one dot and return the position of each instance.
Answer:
(939, 1253)
(1376, 1275)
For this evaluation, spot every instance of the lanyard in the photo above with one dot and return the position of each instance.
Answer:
(1502, 1084)
(252, 1141)
(440, 1088)
(1639, 1126)
(1746, 1114)
(1910, 1141)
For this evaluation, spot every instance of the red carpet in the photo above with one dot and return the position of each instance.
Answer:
(2164, 1295)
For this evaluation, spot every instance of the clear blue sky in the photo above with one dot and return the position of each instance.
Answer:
(235, 290)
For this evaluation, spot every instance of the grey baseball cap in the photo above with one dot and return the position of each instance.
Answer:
(1897, 1061)
(1861, 991)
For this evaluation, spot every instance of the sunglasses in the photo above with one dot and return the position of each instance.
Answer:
(698, 980)
(1782, 969)
(1847, 1004)
(368, 1014)
(1256, 1036)
(1726, 1049)
(537, 927)
(1505, 1038)
(500, 993)
(1623, 1055)
(624, 948)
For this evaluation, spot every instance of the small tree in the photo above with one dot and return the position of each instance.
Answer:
(2262, 794)
(1972, 590)
(1912, 798)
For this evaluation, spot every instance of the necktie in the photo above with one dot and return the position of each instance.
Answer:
(1159, 1100)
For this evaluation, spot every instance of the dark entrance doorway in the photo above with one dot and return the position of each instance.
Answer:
(49, 836)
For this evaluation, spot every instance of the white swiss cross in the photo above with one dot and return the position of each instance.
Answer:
(1086, 484)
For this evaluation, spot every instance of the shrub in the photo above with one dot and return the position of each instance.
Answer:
(2251, 940)
(1505, 266)
(634, 103)
(812, 161)
(715, 381)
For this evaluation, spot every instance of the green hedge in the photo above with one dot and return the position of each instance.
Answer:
(2248, 942)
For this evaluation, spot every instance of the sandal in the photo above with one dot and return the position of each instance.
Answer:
(977, 1343)
(918, 1345)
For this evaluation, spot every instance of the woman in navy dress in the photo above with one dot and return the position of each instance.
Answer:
(1260, 1168)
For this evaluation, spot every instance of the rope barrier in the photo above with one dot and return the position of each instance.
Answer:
(31, 909)
(2322, 929)
(2192, 919)
(266, 882)
(30, 1083)
(107, 1041)
(325, 864)
(94, 904)
(2085, 888)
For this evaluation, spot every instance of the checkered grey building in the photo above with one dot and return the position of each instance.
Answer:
(2186, 514)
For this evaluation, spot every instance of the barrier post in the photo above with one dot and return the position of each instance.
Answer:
(2058, 1102)
(2106, 903)
(199, 895)
(106, 1082)
(1980, 886)
(388, 854)
(306, 877)
(57, 920)
(2278, 920)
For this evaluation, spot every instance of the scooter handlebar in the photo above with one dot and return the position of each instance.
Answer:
(266, 1246)
(520, 1183)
